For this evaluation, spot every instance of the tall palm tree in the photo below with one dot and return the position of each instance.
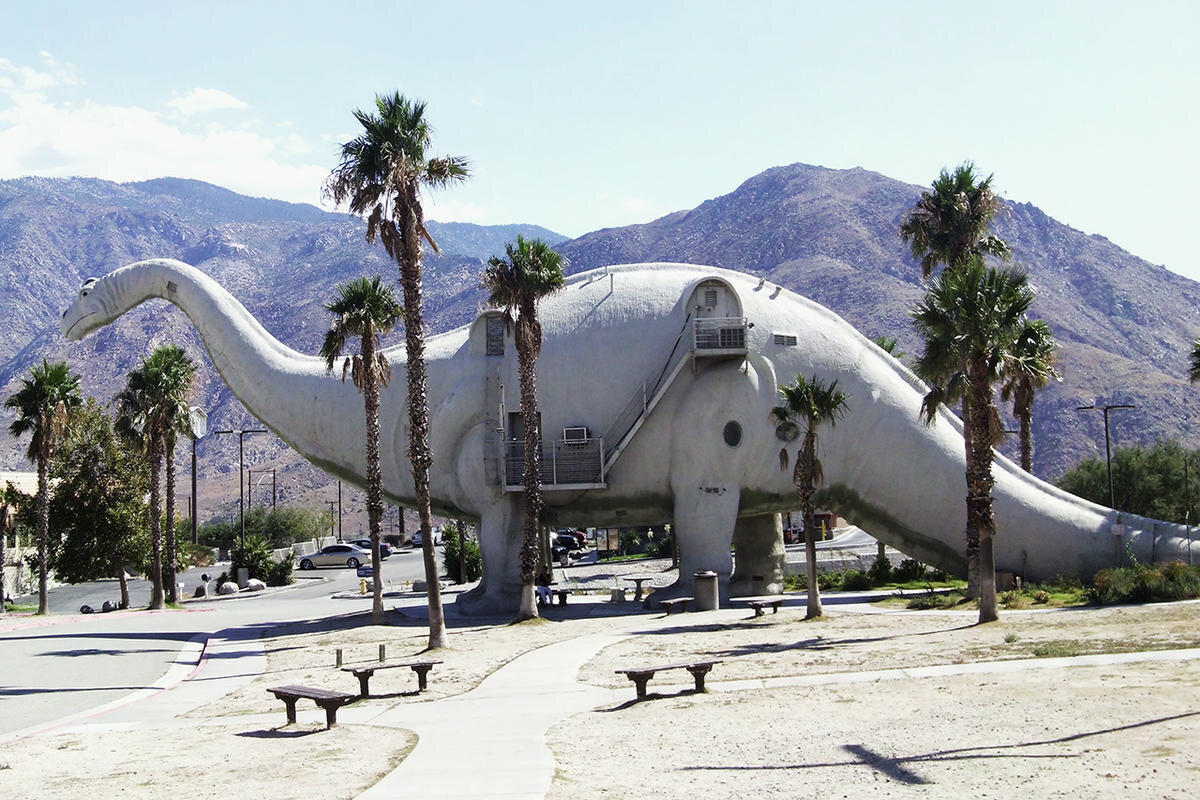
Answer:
(366, 309)
(45, 404)
(1029, 367)
(380, 176)
(950, 223)
(151, 409)
(810, 402)
(177, 378)
(530, 271)
(971, 319)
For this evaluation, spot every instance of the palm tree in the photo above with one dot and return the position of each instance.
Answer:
(368, 310)
(950, 223)
(530, 271)
(1029, 367)
(971, 319)
(1194, 366)
(177, 377)
(888, 345)
(151, 409)
(811, 402)
(380, 177)
(44, 404)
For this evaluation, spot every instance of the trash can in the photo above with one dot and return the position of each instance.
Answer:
(243, 577)
(707, 598)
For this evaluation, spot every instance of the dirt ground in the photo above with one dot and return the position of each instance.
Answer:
(1088, 731)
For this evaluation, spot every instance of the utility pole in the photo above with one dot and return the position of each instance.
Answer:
(1112, 497)
(241, 488)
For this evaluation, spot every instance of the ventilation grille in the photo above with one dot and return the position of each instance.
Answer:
(785, 339)
(710, 298)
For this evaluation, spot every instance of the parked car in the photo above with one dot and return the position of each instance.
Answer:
(568, 541)
(417, 539)
(579, 536)
(336, 555)
(385, 549)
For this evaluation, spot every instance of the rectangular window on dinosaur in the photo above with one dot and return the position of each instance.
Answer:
(785, 339)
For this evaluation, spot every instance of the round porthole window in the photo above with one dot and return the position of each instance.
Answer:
(732, 433)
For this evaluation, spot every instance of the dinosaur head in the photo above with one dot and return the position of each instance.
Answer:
(87, 312)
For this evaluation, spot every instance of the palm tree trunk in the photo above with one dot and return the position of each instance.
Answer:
(418, 401)
(981, 518)
(971, 535)
(4, 525)
(807, 475)
(156, 582)
(43, 532)
(374, 472)
(530, 555)
(170, 558)
(1025, 418)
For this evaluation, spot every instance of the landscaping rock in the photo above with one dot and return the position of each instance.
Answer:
(255, 585)
(201, 591)
(228, 587)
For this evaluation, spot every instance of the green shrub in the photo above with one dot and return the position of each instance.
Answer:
(1066, 582)
(280, 572)
(937, 575)
(255, 557)
(880, 571)
(855, 580)
(1144, 583)
(930, 600)
(909, 570)
(195, 555)
(1041, 597)
(1011, 599)
(460, 552)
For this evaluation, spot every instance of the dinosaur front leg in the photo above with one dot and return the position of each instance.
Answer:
(758, 556)
(499, 592)
(704, 518)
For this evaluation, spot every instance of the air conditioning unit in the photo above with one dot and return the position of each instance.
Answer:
(576, 435)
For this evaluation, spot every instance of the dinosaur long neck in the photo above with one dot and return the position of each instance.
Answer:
(287, 390)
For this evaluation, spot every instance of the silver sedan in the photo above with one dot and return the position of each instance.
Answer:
(336, 555)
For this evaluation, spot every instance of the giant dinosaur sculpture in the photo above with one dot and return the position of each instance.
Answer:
(655, 382)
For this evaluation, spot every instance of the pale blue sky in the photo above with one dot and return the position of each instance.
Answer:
(582, 115)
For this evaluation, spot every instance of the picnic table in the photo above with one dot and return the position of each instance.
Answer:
(638, 580)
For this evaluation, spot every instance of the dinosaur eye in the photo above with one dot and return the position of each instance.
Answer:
(83, 293)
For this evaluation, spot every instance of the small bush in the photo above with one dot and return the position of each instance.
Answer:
(280, 572)
(458, 548)
(937, 575)
(195, 555)
(929, 600)
(855, 580)
(880, 571)
(1066, 582)
(1144, 583)
(1041, 597)
(909, 570)
(1011, 599)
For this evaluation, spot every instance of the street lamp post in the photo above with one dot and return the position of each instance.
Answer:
(198, 418)
(1112, 500)
(241, 487)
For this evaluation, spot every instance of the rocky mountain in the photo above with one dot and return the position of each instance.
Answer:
(1124, 324)
(282, 260)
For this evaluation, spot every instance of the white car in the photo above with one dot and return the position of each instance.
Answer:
(336, 555)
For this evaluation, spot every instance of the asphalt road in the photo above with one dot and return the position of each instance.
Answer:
(68, 663)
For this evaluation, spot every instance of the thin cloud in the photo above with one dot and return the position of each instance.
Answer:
(202, 101)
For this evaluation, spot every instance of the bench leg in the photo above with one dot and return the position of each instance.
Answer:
(562, 598)
(290, 703)
(758, 612)
(775, 608)
(640, 682)
(422, 676)
(330, 714)
(698, 673)
(364, 678)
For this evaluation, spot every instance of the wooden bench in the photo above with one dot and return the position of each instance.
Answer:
(642, 675)
(759, 603)
(330, 701)
(364, 674)
(562, 595)
(681, 602)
